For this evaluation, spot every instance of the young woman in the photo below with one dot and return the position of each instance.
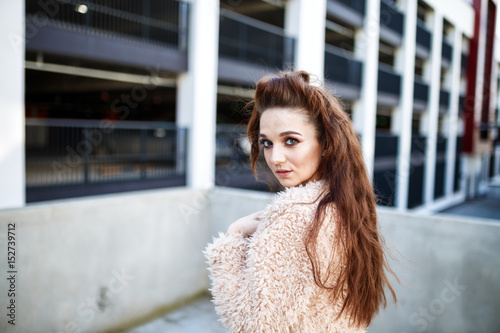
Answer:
(313, 260)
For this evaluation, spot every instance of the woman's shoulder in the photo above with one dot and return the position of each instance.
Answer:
(298, 203)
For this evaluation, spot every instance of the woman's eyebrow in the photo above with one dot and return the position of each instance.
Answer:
(290, 132)
(262, 135)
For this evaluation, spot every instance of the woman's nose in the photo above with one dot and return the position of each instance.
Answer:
(278, 155)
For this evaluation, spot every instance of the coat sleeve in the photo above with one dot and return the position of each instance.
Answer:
(268, 288)
(226, 257)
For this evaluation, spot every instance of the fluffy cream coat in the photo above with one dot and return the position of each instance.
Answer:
(264, 283)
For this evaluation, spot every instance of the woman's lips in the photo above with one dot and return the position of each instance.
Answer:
(283, 173)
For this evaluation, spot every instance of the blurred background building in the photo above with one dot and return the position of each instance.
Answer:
(115, 97)
(120, 96)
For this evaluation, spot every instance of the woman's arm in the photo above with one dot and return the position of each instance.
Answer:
(268, 290)
(227, 259)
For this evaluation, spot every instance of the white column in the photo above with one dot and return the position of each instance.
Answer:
(12, 139)
(405, 109)
(365, 112)
(433, 112)
(452, 119)
(197, 93)
(305, 21)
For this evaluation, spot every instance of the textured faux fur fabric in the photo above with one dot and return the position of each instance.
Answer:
(264, 283)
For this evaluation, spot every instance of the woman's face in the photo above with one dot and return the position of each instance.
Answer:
(291, 148)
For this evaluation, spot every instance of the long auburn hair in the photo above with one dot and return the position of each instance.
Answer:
(361, 283)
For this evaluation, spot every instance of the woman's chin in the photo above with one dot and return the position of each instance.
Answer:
(288, 182)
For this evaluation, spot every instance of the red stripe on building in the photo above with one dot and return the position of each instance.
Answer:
(470, 97)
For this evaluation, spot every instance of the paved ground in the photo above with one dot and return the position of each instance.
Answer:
(197, 317)
(482, 207)
(487, 206)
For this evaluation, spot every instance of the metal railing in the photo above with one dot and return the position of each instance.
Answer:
(385, 167)
(416, 184)
(233, 158)
(440, 170)
(446, 50)
(386, 145)
(444, 99)
(357, 5)
(391, 17)
(160, 22)
(424, 36)
(388, 80)
(340, 66)
(461, 104)
(245, 39)
(232, 146)
(463, 64)
(62, 153)
(458, 165)
(233, 166)
(420, 90)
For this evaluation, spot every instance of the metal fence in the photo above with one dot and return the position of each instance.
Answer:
(424, 36)
(440, 171)
(416, 184)
(233, 165)
(357, 5)
(446, 50)
(233, 159)
(340, 66)
(420, 90)
(385, 175)
(66, 158)
(464, 59)
(245, 39)
(385, 168)
(391, 17)
(458, 165)
(461, 104)
(161, 22)
(388, 80)
(444, 99)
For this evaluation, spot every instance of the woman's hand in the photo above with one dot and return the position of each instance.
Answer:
(247, 225)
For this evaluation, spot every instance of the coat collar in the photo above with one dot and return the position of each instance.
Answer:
(302, 193)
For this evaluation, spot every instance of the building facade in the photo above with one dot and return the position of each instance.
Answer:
(102, 97)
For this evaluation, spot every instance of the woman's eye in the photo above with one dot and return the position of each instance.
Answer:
(266, 143)
(291, 141)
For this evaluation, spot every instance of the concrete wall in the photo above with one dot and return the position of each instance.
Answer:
(109, 262)
(227, 205)
(449, 267)
(103, 262)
